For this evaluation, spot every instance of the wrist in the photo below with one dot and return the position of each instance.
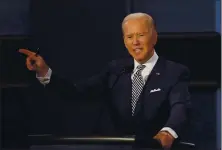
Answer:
(42, 72)
(166, 133)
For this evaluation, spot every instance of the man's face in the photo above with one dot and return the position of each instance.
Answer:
(139, 39)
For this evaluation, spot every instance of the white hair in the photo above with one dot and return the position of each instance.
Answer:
(138, 15)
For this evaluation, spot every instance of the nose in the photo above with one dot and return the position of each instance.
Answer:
(135, 40)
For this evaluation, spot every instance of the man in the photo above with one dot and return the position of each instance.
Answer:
(147, 95)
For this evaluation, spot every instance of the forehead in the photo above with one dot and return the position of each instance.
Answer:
(136, 25)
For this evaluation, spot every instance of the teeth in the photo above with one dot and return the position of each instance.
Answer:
(137, 50)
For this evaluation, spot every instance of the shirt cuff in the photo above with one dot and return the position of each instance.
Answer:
(171, 131)
(46, 79)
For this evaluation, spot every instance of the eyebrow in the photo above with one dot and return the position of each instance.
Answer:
(137, 33)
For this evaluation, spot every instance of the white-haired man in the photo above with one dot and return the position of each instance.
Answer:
(147, 95)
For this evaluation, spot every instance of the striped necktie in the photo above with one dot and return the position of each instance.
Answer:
(137, 86)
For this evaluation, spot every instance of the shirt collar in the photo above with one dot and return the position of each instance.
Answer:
(150, 63)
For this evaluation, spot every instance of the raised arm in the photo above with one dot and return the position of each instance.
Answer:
(92, 87)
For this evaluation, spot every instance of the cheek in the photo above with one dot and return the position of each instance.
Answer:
(147, 44)
(128, 45)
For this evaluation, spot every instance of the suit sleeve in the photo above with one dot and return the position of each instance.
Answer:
(92, 87)
(179, 98)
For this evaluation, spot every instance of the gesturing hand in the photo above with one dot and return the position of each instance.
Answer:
(35, 62)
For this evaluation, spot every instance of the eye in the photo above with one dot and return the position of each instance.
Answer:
(141, 34)
(129, 37)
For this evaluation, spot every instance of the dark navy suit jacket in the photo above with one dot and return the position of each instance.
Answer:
(167, 107)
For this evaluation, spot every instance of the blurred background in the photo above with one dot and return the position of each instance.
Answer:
(74, 34)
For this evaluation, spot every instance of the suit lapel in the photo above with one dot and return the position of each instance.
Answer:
(130, 64)
(126, 83)
(152, 80)
(156, 73)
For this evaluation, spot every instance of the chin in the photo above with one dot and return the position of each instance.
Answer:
(140, 59)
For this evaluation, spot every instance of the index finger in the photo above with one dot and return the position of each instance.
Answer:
(26, 52)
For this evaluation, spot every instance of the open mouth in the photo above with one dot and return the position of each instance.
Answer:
(138, 50)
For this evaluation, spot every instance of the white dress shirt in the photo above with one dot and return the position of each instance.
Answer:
(46, 79)
(145, 73)
(149, 67)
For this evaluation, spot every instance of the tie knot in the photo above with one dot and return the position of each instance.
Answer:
(140, 67)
